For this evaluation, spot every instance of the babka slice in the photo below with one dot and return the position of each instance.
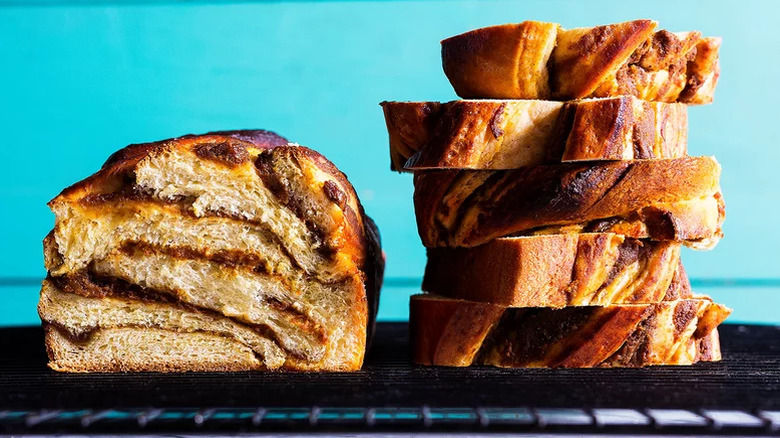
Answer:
(536, 60)
(667, 199)
(507, 134)
(236, 230)
(449, 332)
(557, 270)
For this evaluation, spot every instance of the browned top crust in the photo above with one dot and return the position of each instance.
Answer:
(259, 137)
(536, 60)
(117, 174)
(467, 208)
(507, 134)
(232, 143)
(258, 151)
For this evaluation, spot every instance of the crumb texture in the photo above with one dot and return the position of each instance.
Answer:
(226, 251)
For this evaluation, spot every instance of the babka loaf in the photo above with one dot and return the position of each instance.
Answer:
(496, 134)
(590, 269)
(224, 251)
(448, 332)
(535, 60)
(666, 199)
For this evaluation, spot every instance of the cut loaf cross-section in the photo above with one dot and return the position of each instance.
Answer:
(227, 235)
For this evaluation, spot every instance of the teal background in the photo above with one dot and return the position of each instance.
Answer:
(79, 80)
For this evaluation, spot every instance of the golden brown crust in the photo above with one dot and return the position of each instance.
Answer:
(555, 271)
(657, 69)
(513, 56)
(348, 238)
(301, 180)
(116, 172)
(584, 57)
(374, 270)
(629, 58)
(626, 128)
(259, 137)
(115, 180)
(409, 125)
(117, 176)
(490, 134)
(676, 199)
(449, 332)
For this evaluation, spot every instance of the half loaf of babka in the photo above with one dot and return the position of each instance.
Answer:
(536, 60)
(226, 251)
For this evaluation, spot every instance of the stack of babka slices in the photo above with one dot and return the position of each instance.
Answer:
(554, 220)
(228, 251)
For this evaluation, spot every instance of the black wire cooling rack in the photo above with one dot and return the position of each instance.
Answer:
(740, 395)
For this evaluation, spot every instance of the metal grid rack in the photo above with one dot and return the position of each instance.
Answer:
(616, 420)
(738, 396)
